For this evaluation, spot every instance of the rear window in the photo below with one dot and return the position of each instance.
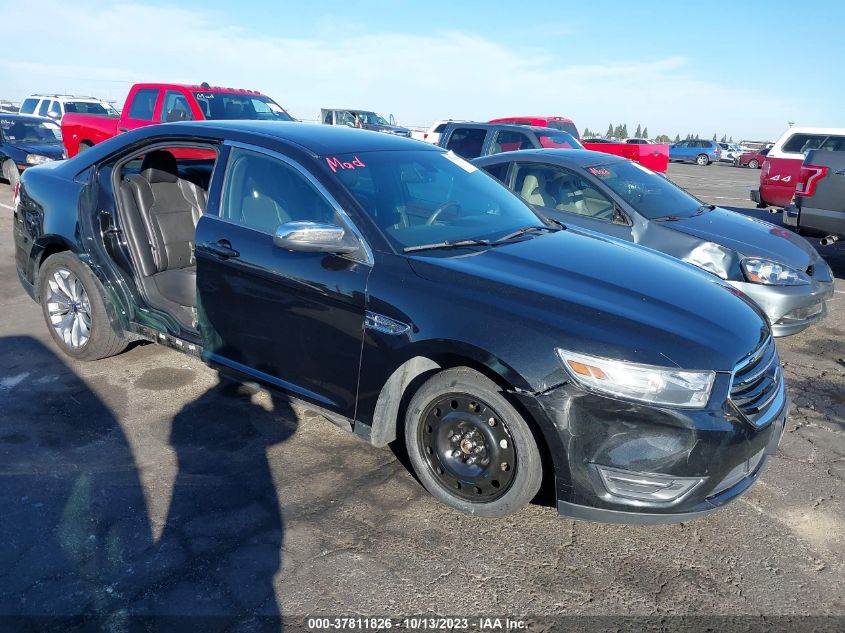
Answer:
(440, 128)
(467, 141)
(28, 106)
(801, 143)
(833, 144)
(565, 126)
(558, 140)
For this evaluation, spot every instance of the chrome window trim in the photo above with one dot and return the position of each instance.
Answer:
(365, 247)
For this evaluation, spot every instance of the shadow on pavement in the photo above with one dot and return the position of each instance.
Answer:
(77, 551)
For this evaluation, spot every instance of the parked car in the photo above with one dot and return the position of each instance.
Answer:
(151, 103)
(698, 151)
(8, 107)
(56, 106)
(471, 140)
(754, 158)
(730, 153)
(820, 195)
(432, 135)
(26, 141)
(404, 292)
(782, 167)
(363, 119)
(776, 268)
(637, 141)
(655, 156)
(555, 122)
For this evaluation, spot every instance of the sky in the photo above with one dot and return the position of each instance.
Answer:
(740, 68)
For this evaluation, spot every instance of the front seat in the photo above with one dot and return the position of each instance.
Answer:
(165, 209)
(534, 190)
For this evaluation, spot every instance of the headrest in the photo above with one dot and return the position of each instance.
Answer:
(159, 166)
(531, 183)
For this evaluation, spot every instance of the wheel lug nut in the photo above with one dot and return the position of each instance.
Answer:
(456, 453)
(505, 466)
(492, 421)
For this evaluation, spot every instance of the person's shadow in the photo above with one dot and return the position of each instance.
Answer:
(222, 539)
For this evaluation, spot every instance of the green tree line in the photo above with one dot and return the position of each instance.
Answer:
(621, 132)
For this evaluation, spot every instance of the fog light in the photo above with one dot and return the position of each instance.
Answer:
(647, 486)
(802, 314)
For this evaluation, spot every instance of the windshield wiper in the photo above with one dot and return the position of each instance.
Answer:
(523, 231)
(446, 244)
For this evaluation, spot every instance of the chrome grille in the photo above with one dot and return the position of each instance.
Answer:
(757, 383)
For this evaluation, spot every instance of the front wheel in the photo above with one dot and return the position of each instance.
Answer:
(753, 164)
(470, 448)
(74, 306)
(10, 173)
(702, 160)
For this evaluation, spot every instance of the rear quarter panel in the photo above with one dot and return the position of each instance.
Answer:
(778, 179)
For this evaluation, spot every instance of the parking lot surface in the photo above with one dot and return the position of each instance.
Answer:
(140, 484)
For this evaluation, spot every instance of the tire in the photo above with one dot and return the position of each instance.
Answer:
(11, 173)
(77, 305)
(702, 160)
(84, 146)
(753, 164)
(469, 447)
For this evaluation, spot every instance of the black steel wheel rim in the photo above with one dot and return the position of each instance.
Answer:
(467, 447)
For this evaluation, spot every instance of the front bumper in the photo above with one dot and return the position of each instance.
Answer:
(589, 433)
(792, 309)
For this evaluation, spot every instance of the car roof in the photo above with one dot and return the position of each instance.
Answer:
(508, 126)
(566, 157)
(315, 138)
(199, 88)
(25, 117)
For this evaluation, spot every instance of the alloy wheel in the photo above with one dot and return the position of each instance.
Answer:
(69, 309)
(467, 447)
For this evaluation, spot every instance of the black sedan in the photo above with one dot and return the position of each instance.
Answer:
(778, 269)
(408, 294)
(26, 141)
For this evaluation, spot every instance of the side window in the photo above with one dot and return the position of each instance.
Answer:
(176, 107)
(498, 171)
(143, 104)
(28, 106)
(834, 144)
(800, 143)
(328, 119)
(558, 188)
(508, 141)
(467, 141)
(55, 109)
(262, 192)
(42, 109)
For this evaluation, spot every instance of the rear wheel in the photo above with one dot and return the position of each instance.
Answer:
(702, 160)
(74, 306)
(470, 448)
(753, 163)
(10, 173)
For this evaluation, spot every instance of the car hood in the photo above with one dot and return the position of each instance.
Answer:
(603, 296)
(748, 236)
(52, 150)
(387, 128)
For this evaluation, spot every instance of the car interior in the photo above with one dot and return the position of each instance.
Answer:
(161, 198)
(555, 188)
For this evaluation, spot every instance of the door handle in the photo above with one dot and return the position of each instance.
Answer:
(123, 129)
(221, 248)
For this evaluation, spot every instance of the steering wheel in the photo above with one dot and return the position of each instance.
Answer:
(431, 220)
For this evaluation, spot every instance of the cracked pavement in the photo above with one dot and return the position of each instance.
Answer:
(141, 485)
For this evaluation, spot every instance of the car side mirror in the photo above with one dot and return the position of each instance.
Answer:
(312, 237)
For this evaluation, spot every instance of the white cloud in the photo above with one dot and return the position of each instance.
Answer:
(416, 77)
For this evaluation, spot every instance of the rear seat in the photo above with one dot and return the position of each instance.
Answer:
(162, 211)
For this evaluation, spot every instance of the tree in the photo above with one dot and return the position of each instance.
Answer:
(609, 130)
(624, 133)
(696, 137)
(724, 138)
(715, 138)
(731, 140)
(617, 131)
(677, 138)
(645, 133)
(586, 133)
(639, 132)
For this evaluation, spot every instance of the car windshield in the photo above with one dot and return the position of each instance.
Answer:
(565, 126)
(238, 106)
(651, 195)
(90, 107)
(558, 140)
(370, 118)
(19, 131)
(424, 197)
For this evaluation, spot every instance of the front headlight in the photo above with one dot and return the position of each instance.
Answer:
(37, 159)
(644, 383)
(769, 273)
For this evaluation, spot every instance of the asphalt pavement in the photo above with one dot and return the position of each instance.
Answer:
(141, 485)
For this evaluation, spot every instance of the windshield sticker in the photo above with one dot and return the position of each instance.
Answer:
(601, 172)
(335, 163)
(460, 162)
(204, 95)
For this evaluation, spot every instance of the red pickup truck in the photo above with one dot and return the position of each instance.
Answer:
(652, 155)
(148, 104)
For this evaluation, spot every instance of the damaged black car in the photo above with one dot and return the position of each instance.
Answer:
(411, 297)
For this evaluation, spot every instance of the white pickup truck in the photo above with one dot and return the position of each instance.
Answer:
(432, 134)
